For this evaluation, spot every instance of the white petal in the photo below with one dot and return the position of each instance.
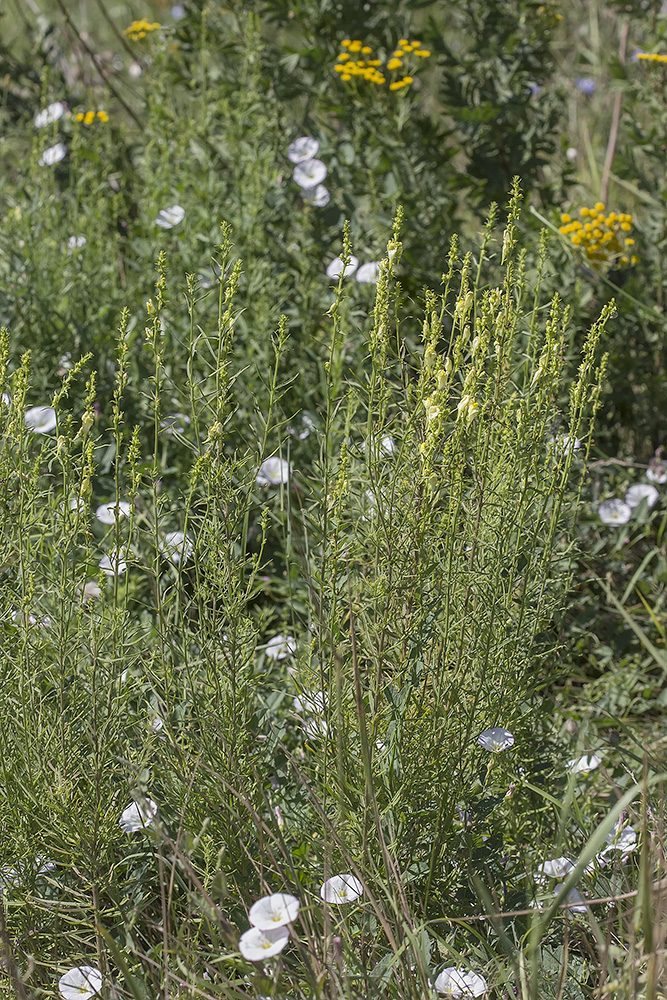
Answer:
(304, 148)
(107, 513)
(336, 268)
(274, 911)
(49, 114)
(341, 889)
(80, 983)
(167, 218)
(310, 173)
(53, 155)
(614, 512)
(496, 739)
(137, 815)
(368, 273)
(257, 945)
(273, 472)
(40, 419)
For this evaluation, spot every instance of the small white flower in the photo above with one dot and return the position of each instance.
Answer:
(642, 491)
(49, 115)
(341, 889)
(108, 513)
(40, 419)
(256, 944)
(455, 983)
(138, 815)
(623, 840)
(312, 707)
(304, 148)
(273, 472)
(115, 563)
(614, 512)
(368, 273)
(496, 740)
(317, 196)
(308, 425)
(274, 911)
(175, 423)
(571, 153)
(91, 591)
(309, 173)
(558, 869)
(574, 901)
(583, 765)
(177, 546)
(563, 444)
(75, 242)
(336, 267)
(53, 155)
(178, 11)
(280, 647)
(387, 445)
(80, 983)
(167, 218)
(657, 472)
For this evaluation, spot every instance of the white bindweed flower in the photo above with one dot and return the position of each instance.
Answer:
(273, 472)
(574, 901)
(642, 491)
(137, 815)
(256, 944)
(309, 173)
(336, 267)
(91, 591)
(274, 911)
(308, 425)
(455, 983)
(341, 889)
(657, 471)
(115, 563)
(177, 547)
(109, 513)
(49, 115)
(40, 419)
(280, 647)
(563, 444)
(53, 155)
(317, 196)
(583, 765)
(312, 707)
(75, 243)
(368, 273)
(80, 983)
(175, 423)
(304, 148)
(571, 153)
(623, 840)
(167, 218)
(614, 512)
(496, 740)
(386, 445)
(558, 868)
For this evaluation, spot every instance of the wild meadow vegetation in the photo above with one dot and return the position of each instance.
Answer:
(333, 460)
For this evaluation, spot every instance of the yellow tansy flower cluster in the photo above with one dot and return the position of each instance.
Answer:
(139, 29)
(604, 238)
(351, 64)
(652, 57)
(88, 117)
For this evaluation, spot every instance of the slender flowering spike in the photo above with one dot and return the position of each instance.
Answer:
(273, 472)
(53, 155)
(309, 173)
(583, 765)
(304, 148)
(559, 869)
(455, 983)
(336, 267)
(177, 546)
(49, 115)
(496, 740)
(80, 983)
(642, 491)
(274, 911)
(109, 513)
(40, 419)
(167, 218)
(137, 815)
(614, 512)
(257, 945)
(318, 196)
(369, 273)
(341, 889)
(280, 647)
